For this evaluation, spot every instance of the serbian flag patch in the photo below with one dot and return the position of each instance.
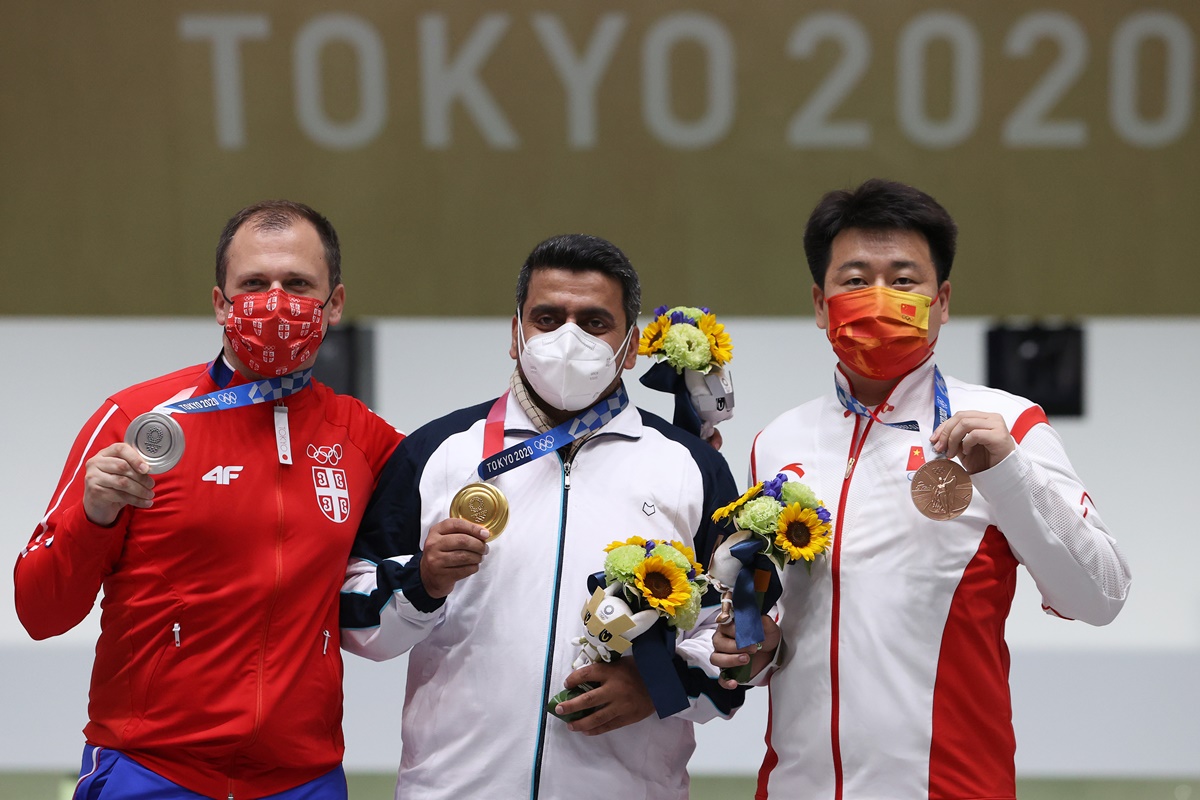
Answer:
(916, 457)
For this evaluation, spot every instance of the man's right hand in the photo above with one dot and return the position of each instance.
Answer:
(453, 550)
(116, 477)
(727, 655)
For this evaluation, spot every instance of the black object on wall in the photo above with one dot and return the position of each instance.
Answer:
(1043, 363)
(346, 361)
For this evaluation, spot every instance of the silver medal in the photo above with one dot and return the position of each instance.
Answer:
(158, 438)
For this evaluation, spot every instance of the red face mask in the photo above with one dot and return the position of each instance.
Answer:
(273, 332)
(879, 333)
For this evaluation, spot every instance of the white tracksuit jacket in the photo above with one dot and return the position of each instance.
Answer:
(893, 681)
(483, 663)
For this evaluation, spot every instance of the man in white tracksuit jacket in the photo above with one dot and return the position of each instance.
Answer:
(489, 628)
(892, 679)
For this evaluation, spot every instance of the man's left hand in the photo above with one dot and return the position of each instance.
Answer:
(979, 440)
(620, 697)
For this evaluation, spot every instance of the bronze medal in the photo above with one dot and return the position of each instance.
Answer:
(483, 504)
(941, 489)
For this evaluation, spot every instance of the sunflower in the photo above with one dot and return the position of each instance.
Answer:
(725, 511)
(718, 340)
(801, 533)
(652, 336)
(663, 584)
(634, 540)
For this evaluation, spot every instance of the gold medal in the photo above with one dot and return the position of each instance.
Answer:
(941, 489)
(483, 504)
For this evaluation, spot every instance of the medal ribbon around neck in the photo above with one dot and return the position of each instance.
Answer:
(245, 394)
(497, 463)
(941, 405)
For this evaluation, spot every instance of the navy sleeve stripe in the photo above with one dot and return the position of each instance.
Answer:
(360, 610)
(697, 684)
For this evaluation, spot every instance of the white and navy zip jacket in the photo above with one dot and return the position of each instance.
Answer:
(893, 681)
(484, 661)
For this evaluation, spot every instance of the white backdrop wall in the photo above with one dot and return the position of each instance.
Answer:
(1121, 700)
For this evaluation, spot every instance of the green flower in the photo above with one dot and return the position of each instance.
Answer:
(687, 614)
(621, 562)
(760, 515)
(795, 492)
(687, 347)
(668, 553)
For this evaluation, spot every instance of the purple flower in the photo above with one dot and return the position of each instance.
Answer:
(772, 487)
(823, 514)
(650, 545)
(658, 312)
(691, 576)
(679, 318)
(705, 309)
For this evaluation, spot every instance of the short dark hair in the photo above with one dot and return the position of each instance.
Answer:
(279, 215)
(579, 252)
(879, 205)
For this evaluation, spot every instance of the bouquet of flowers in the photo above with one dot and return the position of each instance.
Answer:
(686, 338)
(643, 582)
(776, 523)
(691, 350)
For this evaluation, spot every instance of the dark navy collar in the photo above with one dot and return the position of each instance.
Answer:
(220, 371)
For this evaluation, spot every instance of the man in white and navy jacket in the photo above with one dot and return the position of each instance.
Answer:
(489, 626)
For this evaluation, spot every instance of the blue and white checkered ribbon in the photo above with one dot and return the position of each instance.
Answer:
(246, 394)
(591, 420)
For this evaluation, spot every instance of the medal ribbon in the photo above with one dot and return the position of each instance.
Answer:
(544, 443)
(941, 405)
(246, 394)
(747, 614)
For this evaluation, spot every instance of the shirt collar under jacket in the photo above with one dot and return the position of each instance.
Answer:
(911, 398)
(522, 416)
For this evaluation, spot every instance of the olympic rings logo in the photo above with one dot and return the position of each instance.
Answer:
(545, 444)
(326, 455)
(228, 398)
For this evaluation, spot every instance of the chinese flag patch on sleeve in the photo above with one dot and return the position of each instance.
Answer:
(916, 457)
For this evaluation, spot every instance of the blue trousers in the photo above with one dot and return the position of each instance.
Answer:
(109, 775)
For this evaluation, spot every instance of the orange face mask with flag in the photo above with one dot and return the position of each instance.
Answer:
(879, 333)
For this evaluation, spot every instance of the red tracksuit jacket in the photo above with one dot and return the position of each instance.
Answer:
(218, 664)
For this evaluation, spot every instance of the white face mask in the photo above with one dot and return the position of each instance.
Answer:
(568, 368)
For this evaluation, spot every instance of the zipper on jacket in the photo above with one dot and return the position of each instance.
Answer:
(262, 648)
(175, 630)
(856, 447)
(562, 537)
(325, 646)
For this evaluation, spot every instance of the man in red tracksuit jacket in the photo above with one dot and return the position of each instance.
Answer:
(217, 671)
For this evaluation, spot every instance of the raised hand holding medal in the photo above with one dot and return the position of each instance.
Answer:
(979, 440)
